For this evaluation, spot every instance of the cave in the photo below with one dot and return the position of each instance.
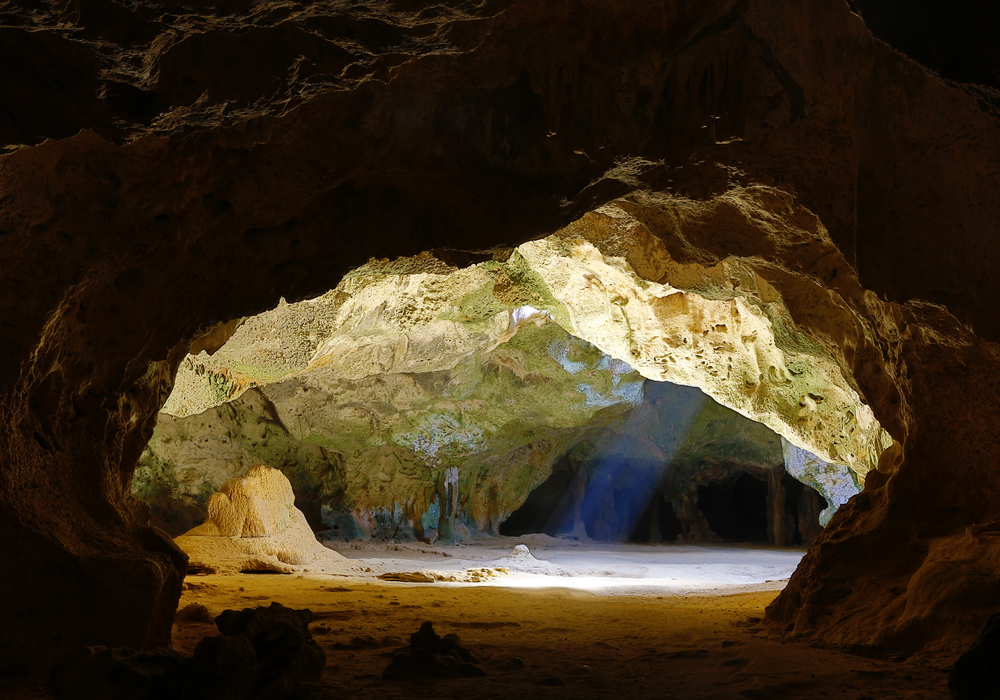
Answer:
(503, 244)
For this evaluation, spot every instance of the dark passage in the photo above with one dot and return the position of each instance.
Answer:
(618, 501)
(548, 509)
(736, 508)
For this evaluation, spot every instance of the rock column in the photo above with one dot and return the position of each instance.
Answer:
(777, 530)
(448, 498)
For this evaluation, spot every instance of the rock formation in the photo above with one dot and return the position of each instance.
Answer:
(164, 172)
(258, 505)
(253, 525)
(430, 655)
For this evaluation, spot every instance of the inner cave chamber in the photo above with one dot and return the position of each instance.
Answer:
(540, 237)
(416, 403)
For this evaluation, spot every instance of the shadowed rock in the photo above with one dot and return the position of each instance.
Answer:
(222, 668)
(283, 645)
(976, 674)
(431, 656)
(262, 654)
(98, 673)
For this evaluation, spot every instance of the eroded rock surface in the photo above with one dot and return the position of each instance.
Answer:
(439, 393)
(252, 525)
(257, 505)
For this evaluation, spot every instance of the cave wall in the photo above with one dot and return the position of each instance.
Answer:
(413, 374)
(152, 187)
(362, 481)
(370, 456)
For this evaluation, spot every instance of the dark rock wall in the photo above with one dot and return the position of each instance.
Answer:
(254, 151)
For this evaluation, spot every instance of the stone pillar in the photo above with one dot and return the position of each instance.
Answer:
(694, 525)
(448, 498)
(777, 530)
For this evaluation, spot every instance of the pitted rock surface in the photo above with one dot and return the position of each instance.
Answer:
(256, 505)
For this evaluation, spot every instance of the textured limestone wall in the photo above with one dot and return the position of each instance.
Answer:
(373, 454)
(149, 192)
(730, 333)
(412, 372)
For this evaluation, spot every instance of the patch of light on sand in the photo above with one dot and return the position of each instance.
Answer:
(604, 583)
(612, 570)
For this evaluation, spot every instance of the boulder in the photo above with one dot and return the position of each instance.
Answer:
(431, 656)
(271, 534)
(283, 646)
(256, 505)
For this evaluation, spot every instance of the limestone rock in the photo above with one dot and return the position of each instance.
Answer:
(257, 505)
(836, 482)
(191, 458)
(263, 498)
(140, 206)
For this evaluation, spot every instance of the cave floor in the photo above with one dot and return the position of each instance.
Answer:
(626, 637)
(620, 569)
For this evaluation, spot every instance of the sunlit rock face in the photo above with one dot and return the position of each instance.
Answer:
(385, 451)
(253, 525)
(436, 397)
(724, 329)
(149, 192)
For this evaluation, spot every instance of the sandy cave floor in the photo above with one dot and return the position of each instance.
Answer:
(631, 622)
(587, 621)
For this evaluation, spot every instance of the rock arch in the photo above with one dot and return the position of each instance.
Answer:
(138, 211)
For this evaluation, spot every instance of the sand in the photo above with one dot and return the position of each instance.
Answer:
(625, 630)
(567, 620)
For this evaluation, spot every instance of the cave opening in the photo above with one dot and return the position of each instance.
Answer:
(415, 406)
(736, 508)
(548, 508)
